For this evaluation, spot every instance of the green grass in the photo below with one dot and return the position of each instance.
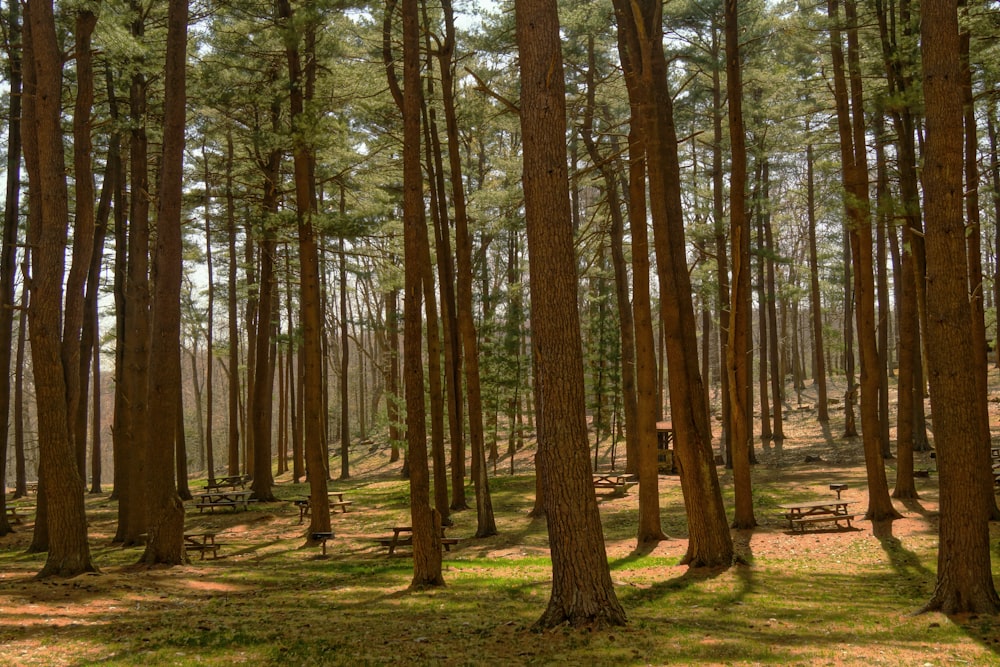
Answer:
(842, 598)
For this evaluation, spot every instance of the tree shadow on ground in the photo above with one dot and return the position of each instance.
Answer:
(905, 562)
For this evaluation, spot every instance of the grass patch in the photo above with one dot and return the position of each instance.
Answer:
(825, 597)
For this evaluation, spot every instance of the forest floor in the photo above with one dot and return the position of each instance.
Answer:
(826, 597)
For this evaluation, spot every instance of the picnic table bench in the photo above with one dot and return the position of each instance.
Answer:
(231, 482)
(202, 543)
(339, 502)
(800, 515)
(213, 499)
(618, 483)
(402, 536)
(14, 513)
(336, 500)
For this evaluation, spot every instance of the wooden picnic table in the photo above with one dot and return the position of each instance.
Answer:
(335, 498)
(231, 482)
(202, 542)
(617, 482)
(799, 515)
(213, 499)
(16, 512)
(402, 536)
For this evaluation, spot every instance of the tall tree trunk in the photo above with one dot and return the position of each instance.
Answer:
(815, 305)
(485, 522)
(738, 352)
(60, 501)
(964, 580)
(650, 528)
(96, 426)
(425, 521)
(309, 299)
(165, 543)
(882, 212)
(721, 254)
(771, 303)
(582, 591)
(345, 358)
(233, 432)
(710, 542)
(267, 310)
(855, 175)
(83, 233)
(8, 251)
(133, 504)
(392, 404)
(209, 327)
(446, 324)
(609, 173)
(973, 241)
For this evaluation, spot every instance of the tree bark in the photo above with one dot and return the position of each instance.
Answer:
(964, 579)
(582, 592)
(8, 251)
(855, 175)
(426, 522)
(710, 542)
(60, 501)
(165, 543)
(738, 350)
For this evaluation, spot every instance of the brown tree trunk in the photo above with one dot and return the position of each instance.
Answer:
(309, 298)
(738, 352)
(8, 252)
(83, 234)
(345, 358)
(964, 579)
(882, 209)
(133, 503)
(815, 305)
(973, 240)
(62, 505)
(463, 247)
(609, 173)
(233, 414)
(710, 542)
(771, 303)
(650, 528)
(209, 329)
(392, 387)
(446, 324)
(721, 254)
(90, 334)
(426, 522)
(165, 543)
(855, 174)
(267, 311)
(582, 592)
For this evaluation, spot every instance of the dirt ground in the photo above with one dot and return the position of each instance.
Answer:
(814, 455)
